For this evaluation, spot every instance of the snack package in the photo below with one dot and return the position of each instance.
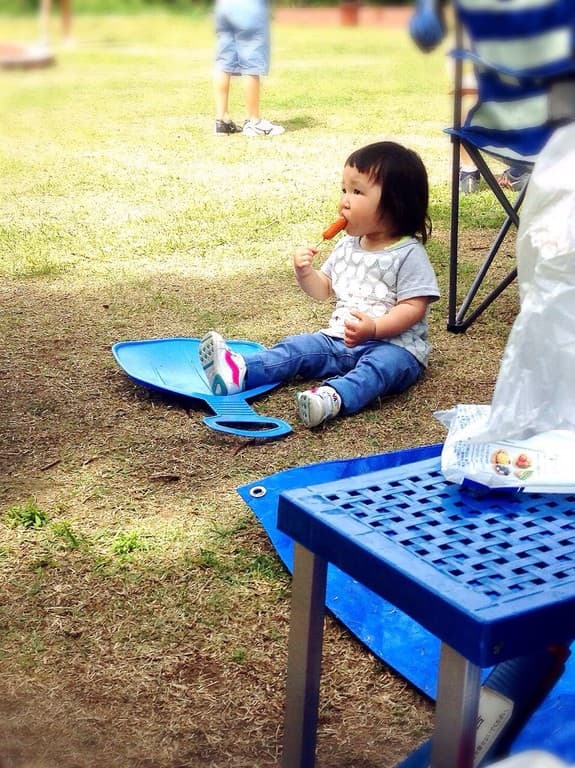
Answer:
(539, 464)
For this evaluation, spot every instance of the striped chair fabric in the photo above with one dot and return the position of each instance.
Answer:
(523, 54)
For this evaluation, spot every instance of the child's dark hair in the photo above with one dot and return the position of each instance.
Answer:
(404, 187)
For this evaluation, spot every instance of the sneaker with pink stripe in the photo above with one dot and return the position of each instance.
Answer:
(225, 370)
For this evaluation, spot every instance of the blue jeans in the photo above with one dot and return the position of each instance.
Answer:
(358, 374)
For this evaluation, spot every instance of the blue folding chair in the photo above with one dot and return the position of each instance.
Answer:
(523, 56)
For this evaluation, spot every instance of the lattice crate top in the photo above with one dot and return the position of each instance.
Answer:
(491, 558)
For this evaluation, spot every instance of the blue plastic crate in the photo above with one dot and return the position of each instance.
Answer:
(492, 576)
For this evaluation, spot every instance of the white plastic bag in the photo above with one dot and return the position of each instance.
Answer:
(526, 438)
(535, 389)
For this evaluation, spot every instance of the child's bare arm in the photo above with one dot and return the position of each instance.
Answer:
(400, 318)
(313, 282)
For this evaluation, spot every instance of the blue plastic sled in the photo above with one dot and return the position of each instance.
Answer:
(173, 366)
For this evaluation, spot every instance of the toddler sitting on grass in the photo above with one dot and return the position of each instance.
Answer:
(376, 340)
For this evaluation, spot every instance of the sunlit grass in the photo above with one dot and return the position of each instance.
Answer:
(109, 162)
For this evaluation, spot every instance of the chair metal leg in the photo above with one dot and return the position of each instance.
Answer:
(304, 659)
(510, 209)
(463, 322)
(452, 317)
(456, 709)
(455, 160)
(460, 319)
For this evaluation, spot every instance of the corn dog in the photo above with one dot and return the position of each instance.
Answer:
(333, 229)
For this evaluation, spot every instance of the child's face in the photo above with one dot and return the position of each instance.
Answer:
(359, 201)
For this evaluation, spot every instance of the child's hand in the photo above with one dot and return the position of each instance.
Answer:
(358, 329)
(303, 259)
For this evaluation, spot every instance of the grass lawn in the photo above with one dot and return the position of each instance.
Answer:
(143, 613)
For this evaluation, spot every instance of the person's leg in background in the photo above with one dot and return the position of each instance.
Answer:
(222, 82)
(253, 45)
(226, 65)
(469, 176)
(252, 88)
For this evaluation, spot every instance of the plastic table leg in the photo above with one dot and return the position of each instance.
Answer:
(304, 658)
(456, 710)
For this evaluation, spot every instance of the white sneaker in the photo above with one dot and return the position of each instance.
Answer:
(225, 370)
(262, 127)
(318, 404)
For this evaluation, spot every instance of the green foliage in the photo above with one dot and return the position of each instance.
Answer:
(208, 559)
(127, 542)
(63, 531)
(27, 515)
(239, 655)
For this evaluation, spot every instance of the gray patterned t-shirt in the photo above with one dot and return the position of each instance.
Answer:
(374, 281)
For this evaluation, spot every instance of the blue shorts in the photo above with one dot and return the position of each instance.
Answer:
(242, 37)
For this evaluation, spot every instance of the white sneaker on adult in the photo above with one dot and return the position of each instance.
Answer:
(262, 127)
